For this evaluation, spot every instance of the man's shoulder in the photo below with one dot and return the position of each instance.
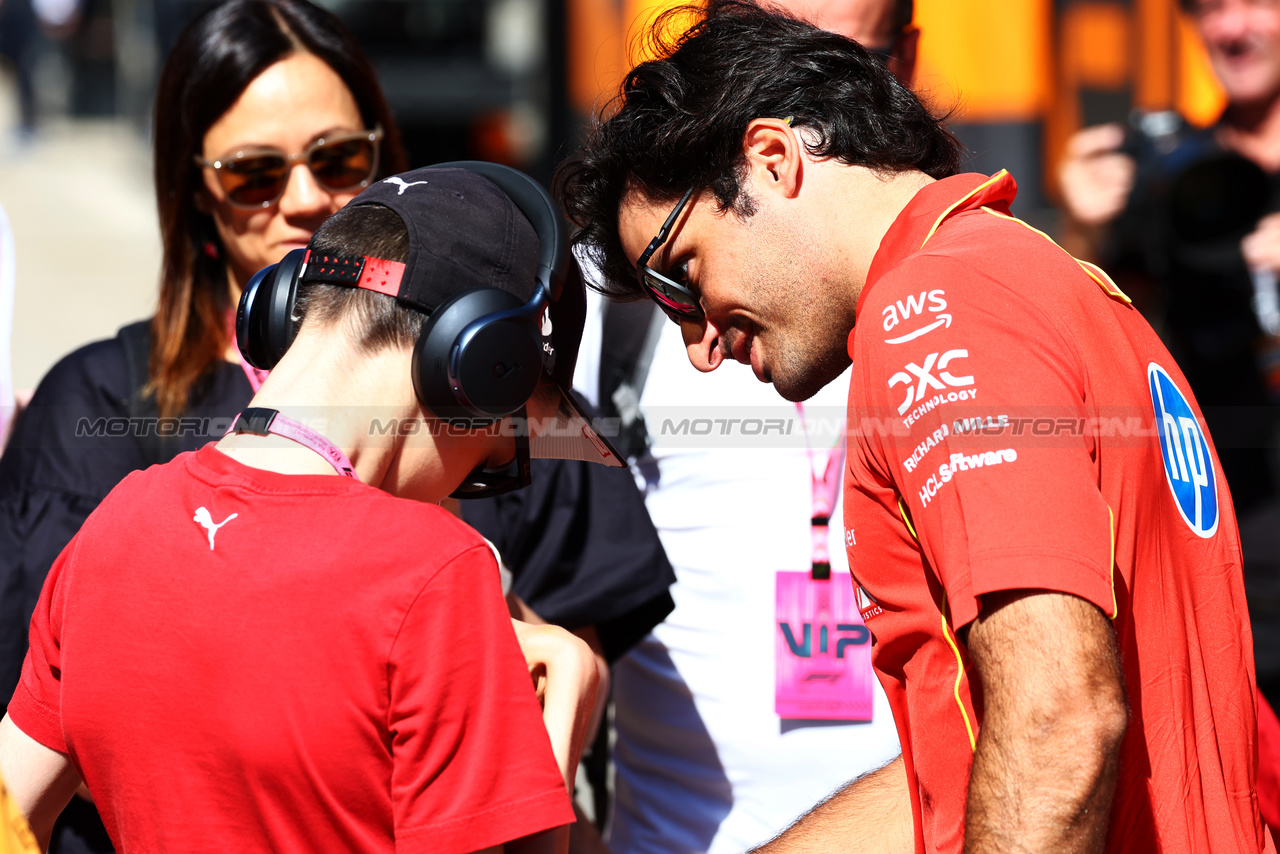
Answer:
(980, 257)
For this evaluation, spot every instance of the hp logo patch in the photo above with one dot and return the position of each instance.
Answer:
(1188, 465)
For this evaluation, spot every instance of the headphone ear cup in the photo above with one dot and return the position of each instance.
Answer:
(249, 337)
(264, 320)
(280, 323)
(489, 370)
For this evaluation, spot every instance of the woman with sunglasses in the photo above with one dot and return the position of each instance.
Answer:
(268, 120)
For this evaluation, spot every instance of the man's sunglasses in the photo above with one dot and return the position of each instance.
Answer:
(675, 299)
(257, 177)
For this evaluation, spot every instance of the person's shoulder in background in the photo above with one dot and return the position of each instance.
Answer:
(74, 435)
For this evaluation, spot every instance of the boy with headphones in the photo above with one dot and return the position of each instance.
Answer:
(263, 645)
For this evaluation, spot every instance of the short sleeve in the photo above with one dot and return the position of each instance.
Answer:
(986, 437)
(472, 762)
(36, 706)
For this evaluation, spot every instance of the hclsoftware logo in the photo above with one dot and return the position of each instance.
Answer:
(1188, 464)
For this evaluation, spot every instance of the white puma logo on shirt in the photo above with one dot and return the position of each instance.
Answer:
(205, 520)
(394, 179)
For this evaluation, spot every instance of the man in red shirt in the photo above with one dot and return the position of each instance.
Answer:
(1035, 515)
(282, 642)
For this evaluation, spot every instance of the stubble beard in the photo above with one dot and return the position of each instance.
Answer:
(809, 347)
(798, 376)
(809, 344)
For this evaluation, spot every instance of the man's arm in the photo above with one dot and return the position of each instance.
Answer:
(871, 815)
(40, 780)
(1053, 718)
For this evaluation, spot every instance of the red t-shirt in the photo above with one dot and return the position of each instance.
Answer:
(238, 660)
(1020, 426)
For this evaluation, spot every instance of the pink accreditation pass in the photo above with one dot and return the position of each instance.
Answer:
(822, 650)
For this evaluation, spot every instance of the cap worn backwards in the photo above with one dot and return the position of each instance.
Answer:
(466, 233)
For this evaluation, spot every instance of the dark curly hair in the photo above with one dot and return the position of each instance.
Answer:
(681, 118)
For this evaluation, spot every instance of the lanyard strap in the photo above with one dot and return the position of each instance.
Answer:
(825, 490)
(255, 375)
(261, 422)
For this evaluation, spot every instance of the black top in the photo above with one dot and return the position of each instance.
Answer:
(582, 549)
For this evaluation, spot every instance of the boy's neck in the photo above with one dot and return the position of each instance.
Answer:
(338, 391)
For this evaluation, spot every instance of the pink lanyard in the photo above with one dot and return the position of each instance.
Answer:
(826, 488)
(260, 422)
(255, 375)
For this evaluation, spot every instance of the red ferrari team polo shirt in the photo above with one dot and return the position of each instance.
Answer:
(1016, 424)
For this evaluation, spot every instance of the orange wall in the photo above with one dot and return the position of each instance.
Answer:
(988, 58)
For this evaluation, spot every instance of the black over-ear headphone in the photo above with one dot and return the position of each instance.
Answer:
(480, 355)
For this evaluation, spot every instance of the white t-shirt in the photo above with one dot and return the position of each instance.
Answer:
(703, 762)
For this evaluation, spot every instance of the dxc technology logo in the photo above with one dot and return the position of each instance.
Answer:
(1188, 465)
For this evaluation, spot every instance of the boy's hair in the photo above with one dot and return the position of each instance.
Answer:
(681, 119)
(378, 320)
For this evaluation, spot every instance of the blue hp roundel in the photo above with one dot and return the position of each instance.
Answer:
(1188, 465)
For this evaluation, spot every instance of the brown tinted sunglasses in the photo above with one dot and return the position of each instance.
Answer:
(256, 178)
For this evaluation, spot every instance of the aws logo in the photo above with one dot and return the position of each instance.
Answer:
(1188, 464)
(856, 635)
(915, 305)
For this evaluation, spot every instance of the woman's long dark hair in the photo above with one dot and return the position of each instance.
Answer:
(215, 59)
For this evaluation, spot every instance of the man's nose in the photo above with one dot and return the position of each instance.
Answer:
(702, 341)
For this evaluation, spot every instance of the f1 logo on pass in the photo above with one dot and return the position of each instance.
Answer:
(1188, 464)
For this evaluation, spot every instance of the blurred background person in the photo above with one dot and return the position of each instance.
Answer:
(1177, 208)
(20, 44)
(1185, 218)
(714, 751)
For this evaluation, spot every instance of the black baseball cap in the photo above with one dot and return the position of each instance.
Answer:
(466, 233)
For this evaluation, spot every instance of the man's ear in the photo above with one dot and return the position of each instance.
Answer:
(775, 156)
(903, 61)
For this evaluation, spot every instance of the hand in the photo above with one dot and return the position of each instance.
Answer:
(565, 679)
(1262, 248)
(1095, 176)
